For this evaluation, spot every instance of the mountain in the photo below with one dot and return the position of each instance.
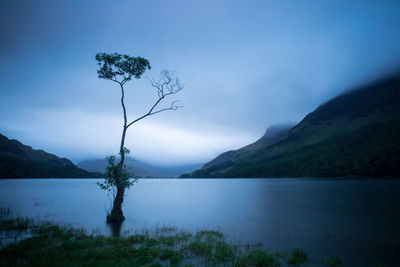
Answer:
(21, 161)
(272, 134)
(356, 134)
(140, 168)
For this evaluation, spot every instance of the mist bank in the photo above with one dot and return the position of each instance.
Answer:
(140, 168)
(355, 134)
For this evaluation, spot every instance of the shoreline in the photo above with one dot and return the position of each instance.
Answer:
(48, 243)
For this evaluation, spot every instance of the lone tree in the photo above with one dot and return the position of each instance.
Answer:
(121, 69)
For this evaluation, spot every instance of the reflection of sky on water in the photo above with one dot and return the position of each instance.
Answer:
(357, 220)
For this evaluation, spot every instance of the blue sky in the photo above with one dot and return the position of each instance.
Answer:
(246, 65)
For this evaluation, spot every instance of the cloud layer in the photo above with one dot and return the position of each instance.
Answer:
(245, 66)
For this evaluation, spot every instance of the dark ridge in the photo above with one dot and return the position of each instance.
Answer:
(21, 161)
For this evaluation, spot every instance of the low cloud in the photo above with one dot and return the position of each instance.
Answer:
(78, 135)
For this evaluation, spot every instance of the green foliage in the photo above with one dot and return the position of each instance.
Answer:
(257, 258)
(298, 256)
(116, 176)
(333, 262)
(209, 235)
(201, 248)
(223, 252)
(17, 224)
(113, 65)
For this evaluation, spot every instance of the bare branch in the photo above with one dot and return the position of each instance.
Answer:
(165, 85)
(172, 107)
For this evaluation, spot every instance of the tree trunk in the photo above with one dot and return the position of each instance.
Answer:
(116, 215)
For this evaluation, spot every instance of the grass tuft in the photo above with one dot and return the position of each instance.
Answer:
(333, 262)
(298, 256)
(50, 244)
(257, 258)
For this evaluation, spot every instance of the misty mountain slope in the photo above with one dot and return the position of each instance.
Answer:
(21, 161)
(354, 134)
(272, 134)
(140, 168)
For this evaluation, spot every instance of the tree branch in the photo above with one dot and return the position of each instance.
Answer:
(166, 85)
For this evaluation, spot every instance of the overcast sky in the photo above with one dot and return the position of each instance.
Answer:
(246, 65)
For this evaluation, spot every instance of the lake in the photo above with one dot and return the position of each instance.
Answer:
(355, 220)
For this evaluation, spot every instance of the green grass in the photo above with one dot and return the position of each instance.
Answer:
(333, 262)
(257, 258)
(50, 244)
(17, 224)
(298, 256)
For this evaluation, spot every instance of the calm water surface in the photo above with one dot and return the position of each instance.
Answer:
(355, 220)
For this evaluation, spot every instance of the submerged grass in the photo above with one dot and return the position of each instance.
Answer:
(50, 244)
(298, 256)
(333, 262)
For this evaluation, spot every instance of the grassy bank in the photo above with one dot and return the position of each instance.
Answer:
(50, 244)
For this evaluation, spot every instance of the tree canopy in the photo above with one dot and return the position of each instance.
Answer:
(121, 68)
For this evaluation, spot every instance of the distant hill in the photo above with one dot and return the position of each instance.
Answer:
(355, 134)
(21, 161)
(140, 168)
